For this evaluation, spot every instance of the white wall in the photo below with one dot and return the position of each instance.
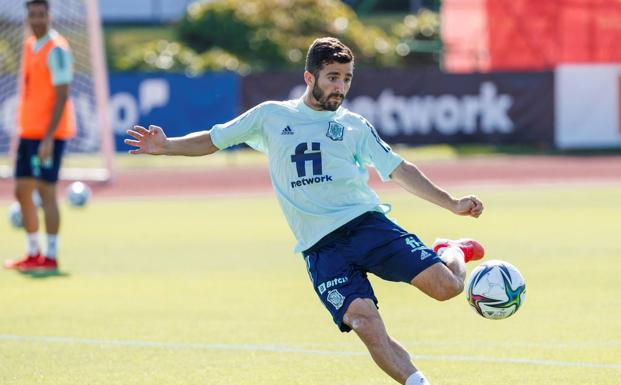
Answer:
(587, 106)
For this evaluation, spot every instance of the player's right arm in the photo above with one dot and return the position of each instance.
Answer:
(243, 129)
(154, 141)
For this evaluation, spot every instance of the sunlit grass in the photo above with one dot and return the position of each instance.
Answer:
(207, 291)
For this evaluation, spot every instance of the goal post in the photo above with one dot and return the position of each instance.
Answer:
(90, 154)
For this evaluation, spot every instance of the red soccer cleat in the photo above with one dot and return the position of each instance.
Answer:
(32, 263)
(473, 250)
(45, 264)
(19, 264)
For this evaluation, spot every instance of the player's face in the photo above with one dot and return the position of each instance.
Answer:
(332, 85)
(38, 18)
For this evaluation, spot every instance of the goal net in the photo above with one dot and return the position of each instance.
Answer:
(89, 155)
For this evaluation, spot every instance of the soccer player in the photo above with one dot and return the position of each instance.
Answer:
(46, 122)
(317, 154)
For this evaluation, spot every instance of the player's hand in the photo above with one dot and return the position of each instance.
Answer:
(46, 147)
(469, 205)
(148, 141)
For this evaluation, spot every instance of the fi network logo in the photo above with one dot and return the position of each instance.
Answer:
(301, 157)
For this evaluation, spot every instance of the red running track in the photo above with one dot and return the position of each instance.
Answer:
(502, 171)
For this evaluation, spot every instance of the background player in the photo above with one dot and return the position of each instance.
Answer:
(46, 122)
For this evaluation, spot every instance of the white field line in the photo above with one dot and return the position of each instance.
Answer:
(274, 348)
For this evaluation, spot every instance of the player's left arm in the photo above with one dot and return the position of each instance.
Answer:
(47, 143)
(415, 181)
(60, 63)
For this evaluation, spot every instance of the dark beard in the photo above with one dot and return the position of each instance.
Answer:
(325, 102)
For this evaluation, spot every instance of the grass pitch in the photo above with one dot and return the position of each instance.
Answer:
(207, 291)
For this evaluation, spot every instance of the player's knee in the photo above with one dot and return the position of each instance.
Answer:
(368, 326)
(48, 201)
(22, 194)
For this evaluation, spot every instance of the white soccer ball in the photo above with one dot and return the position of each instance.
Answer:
(15, 215)
(78, 194)
(495, 289)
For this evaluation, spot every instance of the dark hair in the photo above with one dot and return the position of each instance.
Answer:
(38, 2)
(326, 50)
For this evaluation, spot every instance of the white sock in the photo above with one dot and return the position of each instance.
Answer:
(52, 244)
(32, 244)
(450, 252)
(417, 378)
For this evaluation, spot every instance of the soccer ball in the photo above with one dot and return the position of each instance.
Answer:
(495, 289)
(15, 215)
(78, 194)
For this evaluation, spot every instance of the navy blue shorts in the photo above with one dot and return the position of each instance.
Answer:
(371, 243)
(28, 165)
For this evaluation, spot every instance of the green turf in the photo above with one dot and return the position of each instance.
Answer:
(207, 291)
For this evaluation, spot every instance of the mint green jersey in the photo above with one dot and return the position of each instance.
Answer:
(316, 162)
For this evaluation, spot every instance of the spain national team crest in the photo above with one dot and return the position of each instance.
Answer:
(335, 131)
(336, 298)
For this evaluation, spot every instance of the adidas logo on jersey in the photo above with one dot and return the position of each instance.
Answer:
(287, 131)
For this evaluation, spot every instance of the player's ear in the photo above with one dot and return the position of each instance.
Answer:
(309, 79)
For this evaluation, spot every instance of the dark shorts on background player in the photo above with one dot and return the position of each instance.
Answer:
(28, 165)
(371, 243)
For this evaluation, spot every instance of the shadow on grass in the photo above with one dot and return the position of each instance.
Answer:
(41, 274)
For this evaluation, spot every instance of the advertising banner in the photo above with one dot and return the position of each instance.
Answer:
(177, 103)
(432, 107)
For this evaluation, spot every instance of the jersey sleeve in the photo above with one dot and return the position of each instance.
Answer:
(377, 153)
(60, 62)
(246, 128)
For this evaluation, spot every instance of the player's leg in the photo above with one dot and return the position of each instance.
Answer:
(24, 187)
(338, 272)
(407, 259)
(47, 187)
(51, 216)
(363, 317)
(26, 171)
(49, 201)
(445, 281)
(347, 294)
(442, 281)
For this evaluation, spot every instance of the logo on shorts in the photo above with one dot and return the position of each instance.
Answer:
(336, 298)
(335, 131)
(414, 244)
(424, 255)
(331, 283)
